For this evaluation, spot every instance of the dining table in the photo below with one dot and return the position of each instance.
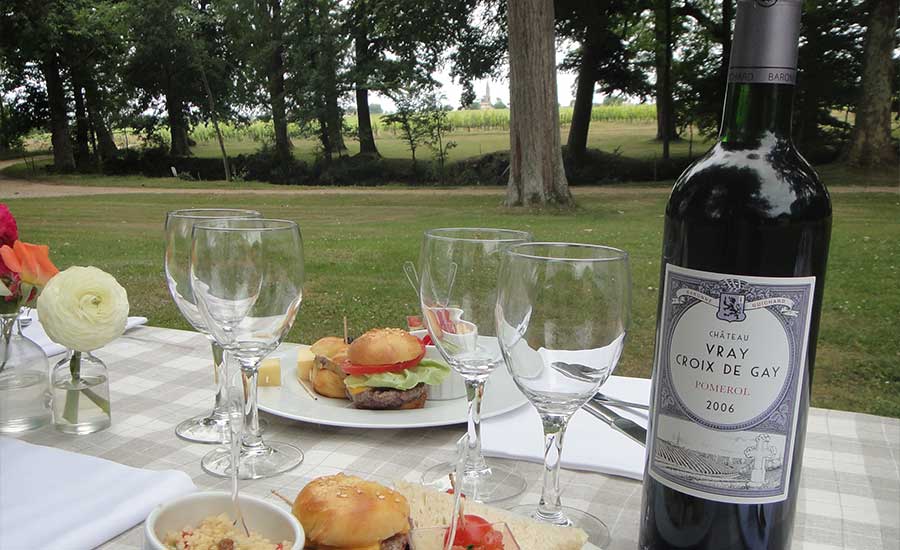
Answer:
(849, 495)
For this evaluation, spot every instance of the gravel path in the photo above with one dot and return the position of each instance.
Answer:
(11, 188)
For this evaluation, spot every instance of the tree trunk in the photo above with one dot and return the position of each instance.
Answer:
(82, 129)
(335, 120)
(727, 16)
(63, 158)
(215, 120)
(668, 119)
(106, 145)
(363, 116)
(177, 124)
(663, 65)
(584, 102)
(364, 124)
(275, 81)
(870, 143)
(536, 170)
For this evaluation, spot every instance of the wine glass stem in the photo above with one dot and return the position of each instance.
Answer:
(550, 506)
(252, 436)
(233, 382)
(474, 459)
(219, 410)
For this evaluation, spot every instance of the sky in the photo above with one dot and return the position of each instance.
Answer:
(499, 89)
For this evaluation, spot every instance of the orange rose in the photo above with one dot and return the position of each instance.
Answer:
(30, 261)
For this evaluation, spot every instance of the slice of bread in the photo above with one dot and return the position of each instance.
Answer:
(430, 508)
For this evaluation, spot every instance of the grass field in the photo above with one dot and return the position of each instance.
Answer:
(356, 244)
(632, 139)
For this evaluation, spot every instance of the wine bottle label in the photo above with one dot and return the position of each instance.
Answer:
(731, 355)
(764, 49)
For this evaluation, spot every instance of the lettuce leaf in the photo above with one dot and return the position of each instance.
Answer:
(427, 371)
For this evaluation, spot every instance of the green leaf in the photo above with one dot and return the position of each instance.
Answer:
(428, 371)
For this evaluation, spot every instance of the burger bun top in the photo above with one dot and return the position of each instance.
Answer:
(384, 346)
(344, 511)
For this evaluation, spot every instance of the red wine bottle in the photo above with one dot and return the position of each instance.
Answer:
(745, 245)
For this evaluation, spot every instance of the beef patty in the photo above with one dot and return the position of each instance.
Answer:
(387, 398)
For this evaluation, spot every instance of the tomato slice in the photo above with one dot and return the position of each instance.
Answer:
(352, 369)
(476, 533)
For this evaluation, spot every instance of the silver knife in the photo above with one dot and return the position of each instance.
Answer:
(619, 423)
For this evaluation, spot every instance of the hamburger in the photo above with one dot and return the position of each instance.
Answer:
(342, 512)
(386, 370)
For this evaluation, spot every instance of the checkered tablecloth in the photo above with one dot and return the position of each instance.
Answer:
(850, 493)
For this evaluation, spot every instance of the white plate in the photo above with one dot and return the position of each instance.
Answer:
(291, 401)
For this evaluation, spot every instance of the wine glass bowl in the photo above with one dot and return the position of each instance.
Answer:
(457, 289)
(206, 428)
(247, 275)
(562, 315)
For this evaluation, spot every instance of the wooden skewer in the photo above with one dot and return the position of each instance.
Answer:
(282, 497)
(309, 392)
(346, 332)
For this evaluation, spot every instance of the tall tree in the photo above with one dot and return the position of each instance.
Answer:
(32, 35)
(362, 44)
(662, 30)
(536, 174)
(870, 142)
(399, 44)
(157, 64)
(63, 154)
(258, 30)
(599, 27)
(829, 66)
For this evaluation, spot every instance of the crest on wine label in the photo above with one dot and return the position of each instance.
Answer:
(731, 307)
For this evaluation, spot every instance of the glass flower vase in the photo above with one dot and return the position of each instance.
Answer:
(24, 388)
(80, 383)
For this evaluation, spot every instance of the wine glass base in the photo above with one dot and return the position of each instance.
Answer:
(598, 532)
(496, 484)
(207, 429)
(268, 460)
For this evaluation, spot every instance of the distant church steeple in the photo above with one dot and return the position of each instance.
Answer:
(486, 102)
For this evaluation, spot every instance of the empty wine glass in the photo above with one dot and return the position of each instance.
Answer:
(458, 290)
(206, 428)
(247, 276)
(562, 315)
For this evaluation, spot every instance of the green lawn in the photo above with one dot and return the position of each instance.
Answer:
(356, 244)
(631, 139)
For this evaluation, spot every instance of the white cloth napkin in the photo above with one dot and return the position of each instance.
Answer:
(56, 499)
(590, 444)
(35, 333)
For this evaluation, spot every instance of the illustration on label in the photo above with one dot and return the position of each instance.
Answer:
(730, 363)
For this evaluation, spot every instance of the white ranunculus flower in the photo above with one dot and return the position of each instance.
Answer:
(83, 308)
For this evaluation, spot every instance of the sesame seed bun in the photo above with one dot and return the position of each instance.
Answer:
(342, 511)
(384, 346)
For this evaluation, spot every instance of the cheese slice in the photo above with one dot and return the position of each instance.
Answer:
(269, 372)
(305, 361)
(355, 391)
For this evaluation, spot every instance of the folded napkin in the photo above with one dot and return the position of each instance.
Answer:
(590, 444)
(35, 332)
(56, 499)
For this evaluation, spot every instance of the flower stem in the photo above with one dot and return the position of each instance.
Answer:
(70, 410)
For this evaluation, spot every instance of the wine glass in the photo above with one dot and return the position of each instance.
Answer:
(562, 314)
(457, 291)
(206, 428)
(247, 276)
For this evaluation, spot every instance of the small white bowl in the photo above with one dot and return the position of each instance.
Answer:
(454, 386)
(266, 518)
